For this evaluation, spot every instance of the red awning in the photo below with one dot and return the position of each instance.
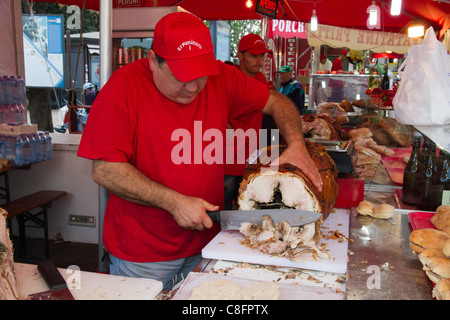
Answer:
(342, 13)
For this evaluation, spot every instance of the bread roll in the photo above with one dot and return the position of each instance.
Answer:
(261, 291)
(422, 239)
(365, 208)
(435, 264)
(222, 289)
(383, 211)
(442, 217)
(347, 106)
(399, 132)
(442, 289)
(359, 133)
(446, 248)
(383, 150)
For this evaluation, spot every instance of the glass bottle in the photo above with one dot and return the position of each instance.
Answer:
(427, 174)
(411, 175)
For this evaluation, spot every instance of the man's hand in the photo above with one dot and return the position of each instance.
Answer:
(190, 213)
(302, 160)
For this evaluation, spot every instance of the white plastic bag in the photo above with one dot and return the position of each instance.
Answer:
(423, 97)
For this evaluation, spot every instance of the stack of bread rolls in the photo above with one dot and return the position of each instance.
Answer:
(433, 249)
(381, 211)
(368, 152)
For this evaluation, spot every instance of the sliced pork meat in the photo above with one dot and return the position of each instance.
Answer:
(283, 240)
(289, 187)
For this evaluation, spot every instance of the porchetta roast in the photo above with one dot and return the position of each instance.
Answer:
(287, 188)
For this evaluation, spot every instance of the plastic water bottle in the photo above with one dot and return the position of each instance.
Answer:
(32, 148)
(20, 91)
(8, 148)
(15, 90)
(16, 114)
(43, 146)
(18, 159)
(3, 113)
(2, 90)
(26, 149)
(37, 147)
(49, 145)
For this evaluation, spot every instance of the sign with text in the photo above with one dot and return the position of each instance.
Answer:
(267, 7)
(286, 29)
(356, 39)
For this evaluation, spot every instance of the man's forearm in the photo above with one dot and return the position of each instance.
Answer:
(127, 182)
(286, 117)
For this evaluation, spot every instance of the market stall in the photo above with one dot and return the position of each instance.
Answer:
(365, 265)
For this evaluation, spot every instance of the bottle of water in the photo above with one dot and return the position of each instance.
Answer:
(18, 159)
(33, 154)
(43, 146)
(20, 93)
(3, 113)
(49, 145)
(8, 148)
(37, 147)
(26, 149)
(9, 89)
(16, 114)
(2, 90)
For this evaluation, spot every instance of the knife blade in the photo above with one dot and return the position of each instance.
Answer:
(54, 280)
(232, 219)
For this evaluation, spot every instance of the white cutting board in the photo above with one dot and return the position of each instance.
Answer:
(89, 285)
(226, 246)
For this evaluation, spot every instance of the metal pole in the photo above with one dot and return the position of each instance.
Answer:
(105, 73)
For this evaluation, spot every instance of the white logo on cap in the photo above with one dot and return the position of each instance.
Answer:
(260, 41)
(189, 43)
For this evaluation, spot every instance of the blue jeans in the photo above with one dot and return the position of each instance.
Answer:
(168, 272)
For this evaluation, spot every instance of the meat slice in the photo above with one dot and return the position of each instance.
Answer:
(282, 239)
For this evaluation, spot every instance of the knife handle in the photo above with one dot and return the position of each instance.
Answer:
(214, 215)
(51, 275)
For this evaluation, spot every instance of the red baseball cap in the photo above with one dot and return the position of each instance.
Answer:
(184, 42)
(253, 44)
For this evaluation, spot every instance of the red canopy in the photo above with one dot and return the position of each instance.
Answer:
(342, 13)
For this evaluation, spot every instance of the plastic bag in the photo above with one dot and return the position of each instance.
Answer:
(423, 97)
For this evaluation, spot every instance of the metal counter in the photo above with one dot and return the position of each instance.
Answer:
(381, 263)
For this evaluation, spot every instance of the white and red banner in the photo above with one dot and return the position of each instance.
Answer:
(286, 29)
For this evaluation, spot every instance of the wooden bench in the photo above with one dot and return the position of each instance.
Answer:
(20, 208)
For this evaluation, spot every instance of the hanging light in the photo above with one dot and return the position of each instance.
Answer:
(416, 31)
(396, 7)
(374, 16)
(314, 21)
(249, 3)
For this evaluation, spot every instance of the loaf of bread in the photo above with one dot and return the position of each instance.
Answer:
(428, 238)
(441, 219)
(399, 132)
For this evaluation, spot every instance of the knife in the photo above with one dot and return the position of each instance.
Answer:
(232, 219)
(56, 283)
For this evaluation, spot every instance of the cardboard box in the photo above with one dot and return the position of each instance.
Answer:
(6, 129)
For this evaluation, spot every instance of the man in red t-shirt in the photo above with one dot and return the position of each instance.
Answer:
(251, 54)
(155, 135)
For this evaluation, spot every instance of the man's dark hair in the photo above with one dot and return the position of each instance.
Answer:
(159, 60)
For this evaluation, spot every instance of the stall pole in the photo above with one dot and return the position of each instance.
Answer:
(105, 73)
